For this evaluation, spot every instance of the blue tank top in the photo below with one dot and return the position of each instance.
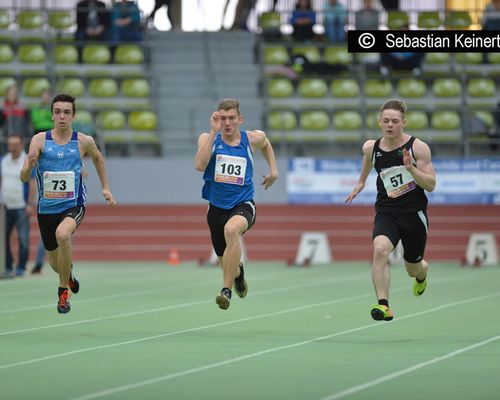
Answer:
(228, 176)
(59, 176)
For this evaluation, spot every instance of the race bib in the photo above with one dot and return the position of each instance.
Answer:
(59, 185)
(397, 181)
(230, 169)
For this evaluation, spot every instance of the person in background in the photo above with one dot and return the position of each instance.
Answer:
(366, 18)
(159, 4)
(225, 156)
(303, 19)
(404, 167)
(19, 201)
(335, 19)
(491, 16)
(14, 113)
(126, 22)
(92, 20)
(40, 115)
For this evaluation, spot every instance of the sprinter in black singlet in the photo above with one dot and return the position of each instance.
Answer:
(404, 167)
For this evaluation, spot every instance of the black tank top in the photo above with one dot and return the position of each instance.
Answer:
(409, 202)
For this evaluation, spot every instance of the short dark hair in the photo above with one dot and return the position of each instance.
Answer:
(65, 98)
(229, 104)
(394, 104)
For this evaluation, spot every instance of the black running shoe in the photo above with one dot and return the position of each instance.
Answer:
(63, 305)
(223, 299)
(240, 284)
(73, 283)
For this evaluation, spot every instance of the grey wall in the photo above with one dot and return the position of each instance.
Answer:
(170, 181)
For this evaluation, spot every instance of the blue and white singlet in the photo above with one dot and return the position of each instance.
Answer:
(59, 176)
(228, 176)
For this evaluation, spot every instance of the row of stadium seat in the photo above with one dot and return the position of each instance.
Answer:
(347, 125)
(35, 19)
(280, 55)
(452, 19)
(35, 53)
(349, 88)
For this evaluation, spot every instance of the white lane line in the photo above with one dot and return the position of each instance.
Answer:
(199, 328)
(175, 286)
(175, 306)
(180, 374)
(394, 375)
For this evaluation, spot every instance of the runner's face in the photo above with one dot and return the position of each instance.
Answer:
(62, 114)
(230, 121)
(392, 123)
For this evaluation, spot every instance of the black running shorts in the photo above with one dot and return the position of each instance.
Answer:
(48, 224)
(411, 228)
(218, 217)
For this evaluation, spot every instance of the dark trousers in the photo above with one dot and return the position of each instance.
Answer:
(17, 218)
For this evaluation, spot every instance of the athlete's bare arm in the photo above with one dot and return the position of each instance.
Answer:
(423, 171)
(258, 140)
(36, 147)
(366, 166)
(88, 147)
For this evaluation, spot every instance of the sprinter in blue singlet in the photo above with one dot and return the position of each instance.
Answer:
(225, 155)
(57, 155)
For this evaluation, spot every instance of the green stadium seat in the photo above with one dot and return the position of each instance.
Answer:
(103, 87)
(31, 53)
(312, 88)
(270, 22)
(445, 120)
(61, 19)
(469, 58)
(65, 54)
(347, 121)
(481, 87)
(486, 117)
(29, 19)
(275, 55)
(145, 144)
(337, 55)
(135, 87)
(129, 54)
(397, 20)
(411, 87)
(371, 120)
(416, 120)
(279, 88)
(429, 20)
(378, 88)
(96, 54)
(314, 120)
(111, 120)
(446, 87)
(84, 122)
(437, 58)
(344, 88)
(310, 52)
(145, 120)
(457, 20)
(72, 86)
(5, 83)
(33, 87)
(4, 19)
(494, 58)
(281, 120)
(6, 53)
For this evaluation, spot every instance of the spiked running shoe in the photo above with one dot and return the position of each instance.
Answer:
(223, 299)
(240, 284)
(381, 313)
(419, 287)
(63, 306)
(73, 283)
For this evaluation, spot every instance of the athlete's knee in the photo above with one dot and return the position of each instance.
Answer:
(63, 236)
(231, 231)
(380, 250)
